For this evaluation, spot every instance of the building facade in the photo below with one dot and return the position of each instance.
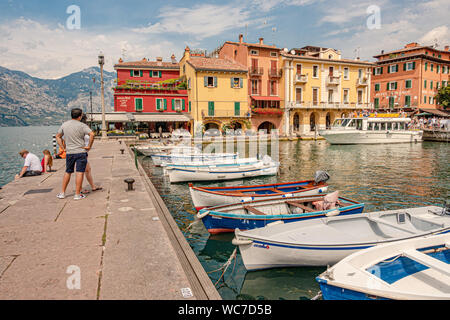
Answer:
(409, 78)
(264, 77)
(153, 89)
(217, 90)
(319, 86)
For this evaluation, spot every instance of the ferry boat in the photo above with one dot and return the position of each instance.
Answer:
(371, 130)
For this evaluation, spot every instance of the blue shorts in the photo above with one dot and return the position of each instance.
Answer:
(80, 159)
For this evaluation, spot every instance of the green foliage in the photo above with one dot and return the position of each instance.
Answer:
(443, 97)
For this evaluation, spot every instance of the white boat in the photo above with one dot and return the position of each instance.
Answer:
(371, 130)
(263, 167)
(414, 269)
(163, 149)
(325, 241)
(188, 157)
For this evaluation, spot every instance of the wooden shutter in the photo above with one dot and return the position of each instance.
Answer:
(131, 73)
(231, 82)
(205, 81)
(414, 65)
(165, 104)
(189, 106)
(395, 85)
(381, 69)
(241, 83)
(141, 73)
(211, 108)
(387, 86)
(237, 108)
(183, 107)
(158, 104)
(173, 104)
(407, 101)
(373, 71)
(404, 67)
(138, 104)
(159, 74)
(215, 82)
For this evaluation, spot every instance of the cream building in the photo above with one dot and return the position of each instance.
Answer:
(319, 86)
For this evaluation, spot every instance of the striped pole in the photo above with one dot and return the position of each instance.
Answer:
(54, 144)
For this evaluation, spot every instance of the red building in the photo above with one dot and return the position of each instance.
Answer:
(153, 92)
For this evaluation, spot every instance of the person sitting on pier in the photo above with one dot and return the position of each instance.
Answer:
(31, 166)
(47, 161)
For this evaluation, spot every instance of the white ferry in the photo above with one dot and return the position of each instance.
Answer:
(371, 130)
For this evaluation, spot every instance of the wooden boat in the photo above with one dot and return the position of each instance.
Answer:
(211, 163)
(149, 150)
(325, 241)
(414, 269)
(259, 213)
(203, 197)
(220, 173)
(187, 157)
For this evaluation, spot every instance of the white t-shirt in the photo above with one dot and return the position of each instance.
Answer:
(32, 162)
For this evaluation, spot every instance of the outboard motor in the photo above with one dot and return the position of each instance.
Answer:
(321, 176)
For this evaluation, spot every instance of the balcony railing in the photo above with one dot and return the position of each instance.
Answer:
(301, 78)
(275, 73)
(362, 82)
(331, 105)
(333, 80)
(256, 71)
(226, 114)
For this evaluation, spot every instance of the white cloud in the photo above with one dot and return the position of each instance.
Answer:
(52, 52)
(441, 35)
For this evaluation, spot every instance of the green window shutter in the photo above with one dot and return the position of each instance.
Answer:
(407, 101)
(381, 70)
(205, 81)
(424, 84)
(215, 82)
(183, 104)
(189, 106)
(158, 104)
(377, 103)
(141, 73)
(414, 65)
(377, 87)
(241, 82)
(165, 104)
(160, 74)
(231, 82)
(404, 67)
(138, 104)
(387, 86)
(388, 69)
(211, 108)
(151, 73)
(131, 73)
(237, 108)
(395, 85)
(396, 68)
(373, 71)
(426, 66)
(173, 104)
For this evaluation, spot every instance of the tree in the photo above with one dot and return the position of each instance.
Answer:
(443, 97)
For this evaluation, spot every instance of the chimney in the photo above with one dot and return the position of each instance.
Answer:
(412, 45)
(158, 59)
(261, 40)
(241, 38)
(187, 53)
(173, 58)
(120, 60)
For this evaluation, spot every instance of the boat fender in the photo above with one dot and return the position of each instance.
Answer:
(241, 242)
(333, 213)
(202, 215)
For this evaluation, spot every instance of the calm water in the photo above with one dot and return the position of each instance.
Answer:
(14, 139)
(381, 176)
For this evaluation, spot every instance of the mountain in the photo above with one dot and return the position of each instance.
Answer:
(26, 100)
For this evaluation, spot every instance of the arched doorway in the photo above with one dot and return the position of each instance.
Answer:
(313, 118)
(267, 126)
(296, 122)
(236, 125)
(211, 125)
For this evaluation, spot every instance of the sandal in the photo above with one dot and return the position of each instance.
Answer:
(96, 189)
(85, 191)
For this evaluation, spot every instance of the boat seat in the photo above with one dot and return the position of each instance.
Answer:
(381, 221)
(300, 205)
(254, 210)
(276, 191)
(428, 261)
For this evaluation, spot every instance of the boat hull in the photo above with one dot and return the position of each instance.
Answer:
(160, 159)
(370, 137)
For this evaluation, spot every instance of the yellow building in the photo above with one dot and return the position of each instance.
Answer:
(319, 86)
(217, 90)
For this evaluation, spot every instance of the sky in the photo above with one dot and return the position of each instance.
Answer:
(50, 39)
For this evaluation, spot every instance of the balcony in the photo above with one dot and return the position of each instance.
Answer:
(362, 82)
(275, 73)
(226, 114)
(256, 71)
(333, 81)
(330, 105)
(301, 78)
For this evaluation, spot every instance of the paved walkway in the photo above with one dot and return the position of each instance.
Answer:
(111, 245)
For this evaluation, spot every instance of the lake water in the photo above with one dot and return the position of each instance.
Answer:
(14, 139)
(381, 176)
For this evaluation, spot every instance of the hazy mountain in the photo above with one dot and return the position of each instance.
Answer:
(26, 100)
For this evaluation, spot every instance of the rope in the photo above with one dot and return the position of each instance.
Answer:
(226, 265)
(317, 296)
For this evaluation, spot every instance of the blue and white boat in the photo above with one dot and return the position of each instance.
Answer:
(256, 214)
(413, 269)
(326, 241)
(183, 158)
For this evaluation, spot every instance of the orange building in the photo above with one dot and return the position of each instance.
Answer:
(264, 78)
(410, 78)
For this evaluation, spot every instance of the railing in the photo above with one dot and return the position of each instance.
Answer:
(301, 78)
(333, 80)
(331, 105)
(275, 73)
(226, 114)
(362, 82)
(256, 71)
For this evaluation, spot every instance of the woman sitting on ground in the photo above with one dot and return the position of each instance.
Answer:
(47, 161)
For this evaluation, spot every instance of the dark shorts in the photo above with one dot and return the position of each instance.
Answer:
(31, 173)
(78, 159)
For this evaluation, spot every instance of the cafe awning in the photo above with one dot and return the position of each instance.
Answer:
(436, 112)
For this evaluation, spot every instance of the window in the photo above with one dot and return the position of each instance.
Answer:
(345, 96)
(315, 71)
(407, 101)
(424, 99)
(426, 66)
(376, 103)
(298, 95)
(393, 68)
(136, 73)
(377, 87)
(408, 84)
(155, 74)
(178, 104)
(211, 108)
(424, 84)
(330, 96)
(254, 52)
(255, 87)
(431, 67)
(273, 88)
(315, 96)
(161, 104)
(237, 82)
(431, 84)
(409, 66)
(360, 96)
(138, 104)
(299, 69)
(237, 109)
(189, 83)
(391, 102)
(360, 73)
(273, 54)
(346, 74)
(392, 86)
(437, 69)
(378, 71)
(210, 82)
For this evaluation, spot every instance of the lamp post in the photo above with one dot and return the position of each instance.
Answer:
(101, 62)
(90, 97)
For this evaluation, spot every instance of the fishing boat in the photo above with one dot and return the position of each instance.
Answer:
(188, 157)
(219, 173)
(371, 130)
(166, 149)
(325, 241)
(414, 269)
(260, 213)
(203, 197)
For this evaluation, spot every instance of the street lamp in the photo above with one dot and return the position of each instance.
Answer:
(101, 62)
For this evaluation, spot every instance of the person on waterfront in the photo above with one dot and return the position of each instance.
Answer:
(31, 166)
(73, 132)
(88, 172)
(47, 161)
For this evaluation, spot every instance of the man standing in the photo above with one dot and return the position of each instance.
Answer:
(31, 167)
(76, 151)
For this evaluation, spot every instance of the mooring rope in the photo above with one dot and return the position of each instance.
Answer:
(225, 266)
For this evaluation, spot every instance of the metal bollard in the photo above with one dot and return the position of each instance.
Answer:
(54, 144)
(130, 182)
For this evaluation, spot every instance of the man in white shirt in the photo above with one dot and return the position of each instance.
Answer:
(31, 167)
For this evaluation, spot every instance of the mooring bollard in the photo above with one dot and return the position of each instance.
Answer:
(54, 144)
(122, 150)
(130, 182)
